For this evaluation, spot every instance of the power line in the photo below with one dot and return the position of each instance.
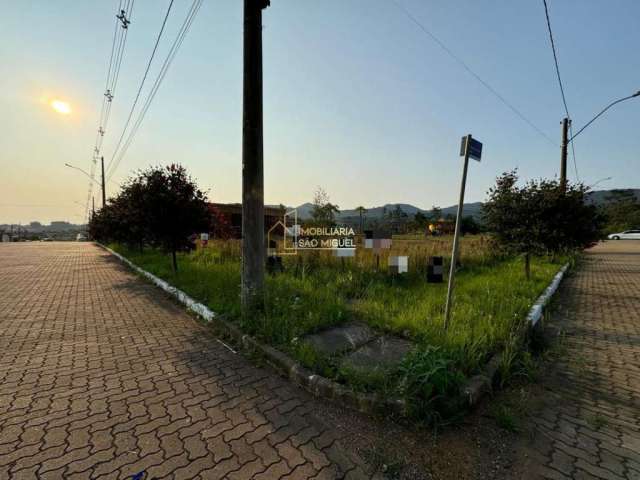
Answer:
(184, 29)
(555, 58)
(473, 73)
(122, 21)
(144, 77)
(564, 99)
(186, 25)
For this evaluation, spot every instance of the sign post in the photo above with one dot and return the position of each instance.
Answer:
(469, 148)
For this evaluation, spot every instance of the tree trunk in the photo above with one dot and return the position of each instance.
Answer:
(527, 265)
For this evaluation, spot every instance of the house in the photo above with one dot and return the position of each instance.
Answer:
(442, 227)
(227, 219)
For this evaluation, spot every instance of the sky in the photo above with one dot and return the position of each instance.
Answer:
(357, 98)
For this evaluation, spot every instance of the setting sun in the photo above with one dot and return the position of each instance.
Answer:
(61, 107)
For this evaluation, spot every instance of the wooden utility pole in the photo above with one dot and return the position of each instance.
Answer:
(104, 192)
(253, 248)
(563, 153)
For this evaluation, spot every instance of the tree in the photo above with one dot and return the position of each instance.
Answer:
(420, 221)
(119, 221)
(160, 206)
(361, 211)
(539, 217)
(435, 214)
(174, 207)
(323, 211)
(469, 225)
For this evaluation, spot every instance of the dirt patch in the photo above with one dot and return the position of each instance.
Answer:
(476, 447)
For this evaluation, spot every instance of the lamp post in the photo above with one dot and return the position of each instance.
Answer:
(606, 179)
(566, 140)
(82, 171)
(637, 94)
(100, 184)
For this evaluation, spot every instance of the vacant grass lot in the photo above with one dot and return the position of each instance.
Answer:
(318, 290)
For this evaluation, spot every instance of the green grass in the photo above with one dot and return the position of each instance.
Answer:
(491, 300)
(506, 418)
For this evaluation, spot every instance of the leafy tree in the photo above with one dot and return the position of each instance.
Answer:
(174, 207)
(115, 222)
(435, 214)
(323, 211)
(539, 217)
(397, 219)
(470, 226)
(160, 206)
(361, 212)
(132, 216)
(420, 221)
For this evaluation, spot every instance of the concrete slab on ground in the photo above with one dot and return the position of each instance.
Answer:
(338, 340)
(383, 353)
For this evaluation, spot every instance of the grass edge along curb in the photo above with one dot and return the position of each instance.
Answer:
(317, 385)
(471, 393)
(480, 385)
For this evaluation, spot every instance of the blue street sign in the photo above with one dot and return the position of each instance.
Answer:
(475, 149)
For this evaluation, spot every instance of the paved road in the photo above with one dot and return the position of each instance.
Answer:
(589, 423)
(101, 376)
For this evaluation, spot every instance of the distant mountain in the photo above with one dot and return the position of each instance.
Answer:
(474, 209)
(304, 210)
(600, 197)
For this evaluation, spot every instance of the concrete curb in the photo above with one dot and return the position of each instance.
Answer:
(317, 385)
(480, 385)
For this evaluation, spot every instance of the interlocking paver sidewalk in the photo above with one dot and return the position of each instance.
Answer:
(589, 424)
(101, 376)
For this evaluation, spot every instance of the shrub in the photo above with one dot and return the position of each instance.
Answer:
(540, 217)
(430, 383)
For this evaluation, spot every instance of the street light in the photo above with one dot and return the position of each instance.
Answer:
(637, 94)
(81, 170)
(599, 181)
(566, 140)
(101, 185)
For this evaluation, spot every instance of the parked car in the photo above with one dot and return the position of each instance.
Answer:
(81, 237)
(626, 235)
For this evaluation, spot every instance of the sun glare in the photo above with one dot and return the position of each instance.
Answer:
(61, 107)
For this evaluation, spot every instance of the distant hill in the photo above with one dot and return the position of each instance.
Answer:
(600, 197)
(474, 209)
